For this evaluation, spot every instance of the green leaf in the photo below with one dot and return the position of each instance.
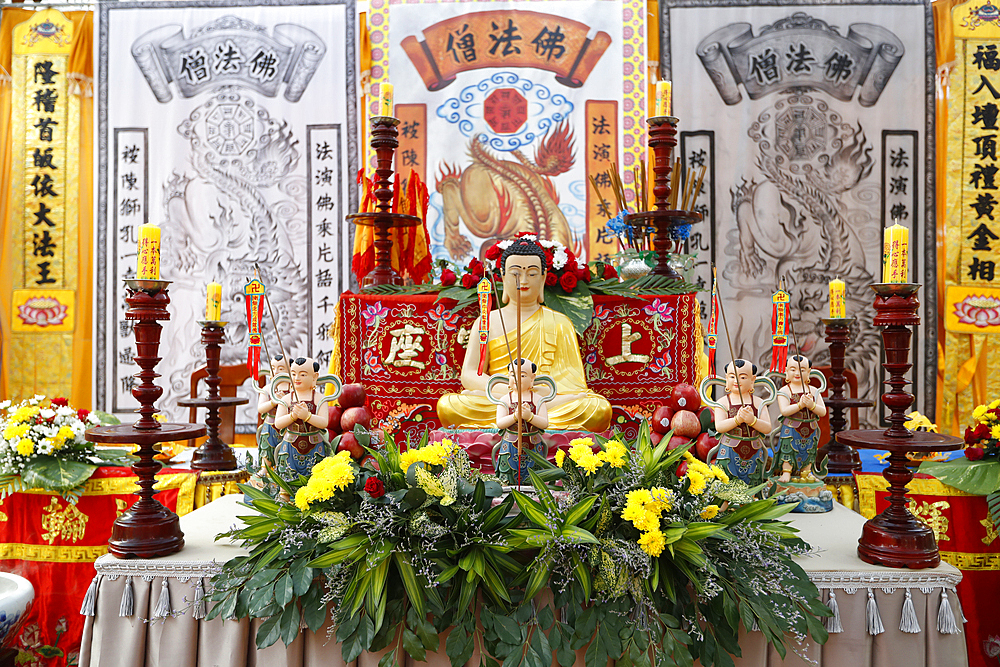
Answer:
(268, 632)
(413, 590)
(579, 512)
(313, 609)
(49, 651)
(579, 309)
(531, 509)
(53, 474)
(539, 577)
(289, 623)
(993, 505)
(459, 646)
(980, 478)
(699, 530)
(578, 535)
(283, 590)
(412, 645)
(302, 578)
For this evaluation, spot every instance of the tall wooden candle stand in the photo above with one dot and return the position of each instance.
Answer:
(842, 461)
(663, 139)
(213, 454)
(385, 141)
(147, 529)
(895, 538)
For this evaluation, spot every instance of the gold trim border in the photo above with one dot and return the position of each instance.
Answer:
(120, 486)
(972, 561)
(43, 553)
(869, 485)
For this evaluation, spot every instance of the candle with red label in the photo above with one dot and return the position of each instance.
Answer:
(213, 302)
(663, 101)
(838, 299)
(148, 262)
(895, 254)
(385, 100)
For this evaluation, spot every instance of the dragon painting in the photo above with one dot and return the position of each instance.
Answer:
(498, 198)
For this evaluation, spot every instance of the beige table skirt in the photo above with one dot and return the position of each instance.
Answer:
(886, 617)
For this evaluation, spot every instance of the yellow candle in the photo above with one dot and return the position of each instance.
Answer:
(838, 298)
(895, 254)
(385, 99)
(663, 102)
(213, 303)
(148, 263)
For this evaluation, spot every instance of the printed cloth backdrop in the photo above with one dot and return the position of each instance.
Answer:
(814, 123)
(237, 136)
(506, 108)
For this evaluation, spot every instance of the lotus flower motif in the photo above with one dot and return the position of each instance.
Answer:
(980, 311)
(42, 311)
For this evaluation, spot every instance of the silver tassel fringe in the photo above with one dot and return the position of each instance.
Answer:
(908, 621)
(89, 606)
(199, 601)
(875, 626)
(946, 617)
(162, 608)
(127, 607)
(832, 623)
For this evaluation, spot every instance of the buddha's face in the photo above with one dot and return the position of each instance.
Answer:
(741, 377)
(304, 376)
(525, 378)
(526, 271)
(796, 370)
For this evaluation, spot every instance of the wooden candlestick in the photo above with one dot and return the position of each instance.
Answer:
(384, 142)
(214, 454)
(842, 461)
(147, 529)
(895, 538)
(663, 139)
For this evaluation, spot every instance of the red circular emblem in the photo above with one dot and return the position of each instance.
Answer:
(505, 110)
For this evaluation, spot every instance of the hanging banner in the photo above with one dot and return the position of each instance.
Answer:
(527, 100)
(44, 132)
(238, 138)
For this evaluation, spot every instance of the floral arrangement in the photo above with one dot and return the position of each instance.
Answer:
(978, 472)
(650, 555)
(42, 446)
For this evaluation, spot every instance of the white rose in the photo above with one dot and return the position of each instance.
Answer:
(559, 259)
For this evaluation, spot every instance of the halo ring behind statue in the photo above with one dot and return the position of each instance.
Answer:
(541, 379)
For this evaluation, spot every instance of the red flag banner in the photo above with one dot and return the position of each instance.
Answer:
(253, 294)
(779, 331)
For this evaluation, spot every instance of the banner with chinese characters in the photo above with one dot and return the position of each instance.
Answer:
(811, 121)
(527, 102)
(966, 538)
(971, 223)
(239, 139)
(44, 209)
(409, 351)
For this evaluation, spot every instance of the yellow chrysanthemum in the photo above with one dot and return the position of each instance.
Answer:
(25, 447)
(995, 404)
(65, 432)
(435, 455)
(582, 455)
(995, 432)
(24, 413)
(979, 413)
(720, 474)
(698, 482)
(16, 431)
(662, 499)
(330, 475)
(560, 457)
(710, 512)
(582, 442)
(614, 454)
(652, 543)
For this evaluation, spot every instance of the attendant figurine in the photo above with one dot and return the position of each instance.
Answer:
(302, 416)
(268, 436)
(742, 422)
(801, 407)
(533, 414)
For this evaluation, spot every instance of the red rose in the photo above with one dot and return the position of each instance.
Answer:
(568, 281)
(583, 273)
(59, 402)
(476, 267)
(82, 414)
(970, 437)
(570, 265)
(374, 487)
(974, 453)
(448, 277)
(551, 279)
(468, 281)
(981, 432)
(494, 252)
(548, 258)
(609, 272)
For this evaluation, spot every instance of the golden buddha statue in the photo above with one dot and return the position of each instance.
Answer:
(547, 337)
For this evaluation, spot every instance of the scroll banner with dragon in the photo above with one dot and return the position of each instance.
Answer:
(408, 351)
(972, 287)
(966, 538)
(812, 122)
(44, 156)
(54, 544)
(528, 101)
(238, 139)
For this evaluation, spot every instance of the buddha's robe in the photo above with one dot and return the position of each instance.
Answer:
(549, 340)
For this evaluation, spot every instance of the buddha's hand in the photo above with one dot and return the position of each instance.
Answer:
(745, 415)
(300, 412)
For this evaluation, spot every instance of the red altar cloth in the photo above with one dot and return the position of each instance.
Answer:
(966, 538)
(407, 351)
(54, 544)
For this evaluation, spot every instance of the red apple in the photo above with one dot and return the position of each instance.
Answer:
(685, 423)
(350, 443)
(682, 468)
(354, 416)
(685, 397)
(335, 414)
(704, 445)
(678, 441)
(654, 438)
(352, 396)
(707, 417)
(661, 419)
